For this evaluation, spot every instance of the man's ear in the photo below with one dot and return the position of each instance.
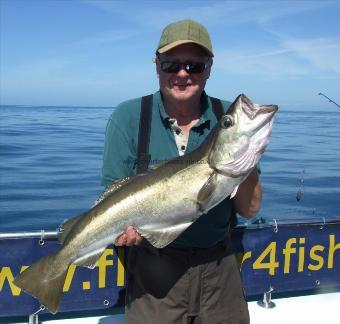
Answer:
(209, 68)
(156, 61)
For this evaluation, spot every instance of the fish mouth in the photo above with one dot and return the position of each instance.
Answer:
(262, 113)
(253, 110)
(268, 112)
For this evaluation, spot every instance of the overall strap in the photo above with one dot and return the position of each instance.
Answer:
(217, 107)
(143, 156)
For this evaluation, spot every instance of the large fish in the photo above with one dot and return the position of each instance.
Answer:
(161, 204)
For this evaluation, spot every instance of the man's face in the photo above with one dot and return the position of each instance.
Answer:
(183, 86)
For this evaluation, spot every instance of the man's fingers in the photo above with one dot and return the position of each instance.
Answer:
(139, 239)
(129, 237)
(130, 231)
(121, 240)
(132, 236)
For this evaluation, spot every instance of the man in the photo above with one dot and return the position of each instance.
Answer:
(195, 279)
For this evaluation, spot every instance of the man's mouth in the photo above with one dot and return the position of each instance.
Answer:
(181, 86)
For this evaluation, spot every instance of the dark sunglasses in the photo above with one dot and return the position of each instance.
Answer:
(188, 66)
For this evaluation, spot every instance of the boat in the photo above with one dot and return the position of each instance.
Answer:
(290, 271)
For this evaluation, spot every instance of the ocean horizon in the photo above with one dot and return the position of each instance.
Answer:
(51, 156)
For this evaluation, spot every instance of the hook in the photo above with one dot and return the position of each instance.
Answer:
(276, 229)
(323, 223)
(41, 241)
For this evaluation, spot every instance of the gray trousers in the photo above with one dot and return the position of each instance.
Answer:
(184, 285)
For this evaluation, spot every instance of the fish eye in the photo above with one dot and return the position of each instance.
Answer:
(227, 121)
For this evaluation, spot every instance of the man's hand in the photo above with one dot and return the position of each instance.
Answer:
(249, 195)
(129, 237)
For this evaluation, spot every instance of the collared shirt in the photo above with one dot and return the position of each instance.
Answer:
(180, 138)
(120, 157)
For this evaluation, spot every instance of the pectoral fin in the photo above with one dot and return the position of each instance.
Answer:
(233, 194)
(206, 192)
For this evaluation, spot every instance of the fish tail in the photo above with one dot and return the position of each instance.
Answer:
(44, 280)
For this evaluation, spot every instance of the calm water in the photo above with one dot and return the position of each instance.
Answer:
(50, 165)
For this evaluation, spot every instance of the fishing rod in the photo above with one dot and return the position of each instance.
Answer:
(330, 100)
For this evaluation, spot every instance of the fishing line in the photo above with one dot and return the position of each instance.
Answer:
(301, 188)
(329, 99)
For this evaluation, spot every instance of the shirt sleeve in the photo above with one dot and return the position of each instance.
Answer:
(119, 158)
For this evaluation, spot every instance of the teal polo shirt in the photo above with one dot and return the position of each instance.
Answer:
(120, 157)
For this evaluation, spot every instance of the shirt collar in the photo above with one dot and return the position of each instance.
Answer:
(205, 116)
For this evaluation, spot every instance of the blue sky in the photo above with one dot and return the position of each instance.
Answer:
(99, 53)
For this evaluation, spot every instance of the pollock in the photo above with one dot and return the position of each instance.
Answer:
(160, 204)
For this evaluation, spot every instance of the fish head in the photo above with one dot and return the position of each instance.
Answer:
(241, 137)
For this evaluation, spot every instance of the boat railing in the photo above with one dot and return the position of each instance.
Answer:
(278, 258)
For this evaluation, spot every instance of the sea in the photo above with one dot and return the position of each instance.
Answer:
(50, 165)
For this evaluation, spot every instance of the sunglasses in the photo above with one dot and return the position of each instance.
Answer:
(190, 67)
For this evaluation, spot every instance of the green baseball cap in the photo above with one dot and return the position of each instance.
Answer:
(184, 32)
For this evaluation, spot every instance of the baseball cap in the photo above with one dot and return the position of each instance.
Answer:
(184, 32)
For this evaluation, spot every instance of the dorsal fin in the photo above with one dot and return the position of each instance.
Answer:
(66, 227)
(118, 184)
(155, 166)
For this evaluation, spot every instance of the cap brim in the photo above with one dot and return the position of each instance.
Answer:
(181, 42)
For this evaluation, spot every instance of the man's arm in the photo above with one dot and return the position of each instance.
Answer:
(248, 198)
(119, 152)
(117, 164)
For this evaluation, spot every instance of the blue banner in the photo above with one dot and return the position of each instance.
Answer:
(285, 258)
(289, 258)
(84, 289)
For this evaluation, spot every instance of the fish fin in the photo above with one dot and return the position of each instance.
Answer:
(65, 228)
(152, 238)
(162, 237)
(89, 260)
(44, 280)
(206, 192)
(115, 186)
(155, 166)
(234, 192)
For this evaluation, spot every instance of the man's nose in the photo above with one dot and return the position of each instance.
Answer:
(182, 72)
